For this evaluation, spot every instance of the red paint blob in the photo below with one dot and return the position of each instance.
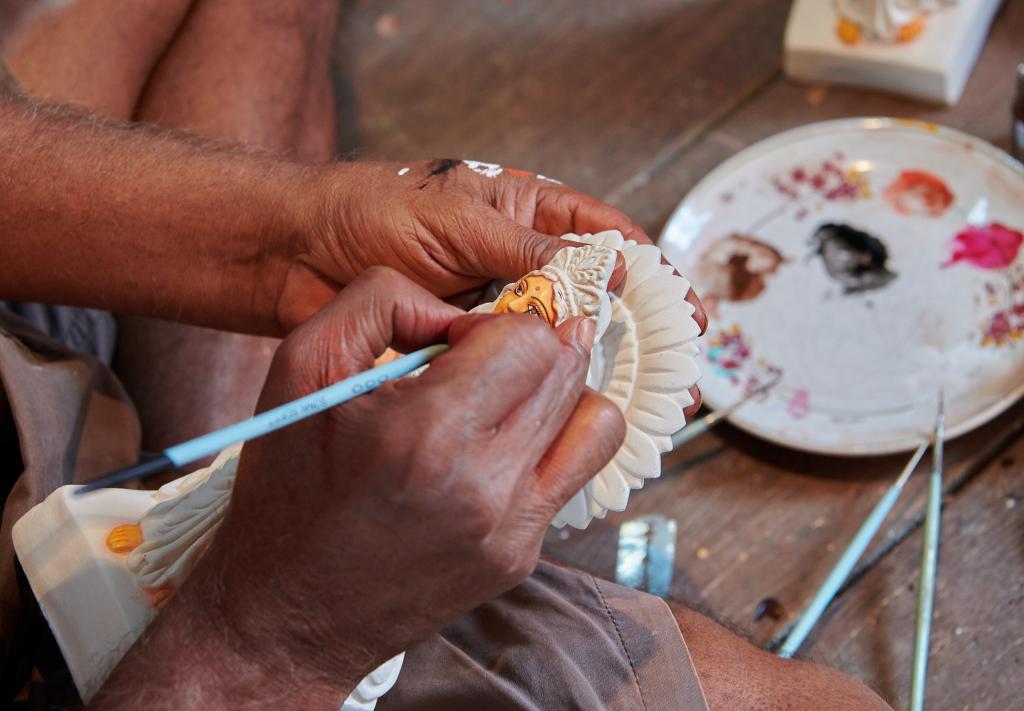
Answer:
(915, 192)
(990, 247)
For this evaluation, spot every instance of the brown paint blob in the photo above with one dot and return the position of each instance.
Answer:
(736, 268)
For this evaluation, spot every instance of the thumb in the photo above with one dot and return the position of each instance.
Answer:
(585, 445)
(378, 309)
(512, 250)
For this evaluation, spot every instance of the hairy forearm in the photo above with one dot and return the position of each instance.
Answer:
(139, 220)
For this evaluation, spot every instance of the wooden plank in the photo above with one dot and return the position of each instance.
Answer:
(983, 111)
(756, 520)
(588, 92)
(977, 651)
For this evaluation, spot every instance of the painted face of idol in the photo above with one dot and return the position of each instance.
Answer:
(533, 294)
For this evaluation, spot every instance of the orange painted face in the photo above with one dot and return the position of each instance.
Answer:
(533, 295)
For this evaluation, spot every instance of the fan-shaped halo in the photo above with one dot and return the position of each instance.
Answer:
(645, 364)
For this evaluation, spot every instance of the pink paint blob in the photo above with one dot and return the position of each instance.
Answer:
(993, 246)
(799, 405)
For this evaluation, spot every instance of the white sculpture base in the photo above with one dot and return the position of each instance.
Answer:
(91, 600)
(934, 66)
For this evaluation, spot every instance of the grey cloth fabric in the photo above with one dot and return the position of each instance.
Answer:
(83, 330)
(64, 419)
(562, 640)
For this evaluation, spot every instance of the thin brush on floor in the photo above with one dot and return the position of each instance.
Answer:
(865, 534)
(929, 563)
(702, 425)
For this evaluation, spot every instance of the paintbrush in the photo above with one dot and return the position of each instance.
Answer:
(865, 534)
(698, 427)
(929, 561)
(269, 421)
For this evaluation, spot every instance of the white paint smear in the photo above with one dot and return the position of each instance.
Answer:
(488, 170)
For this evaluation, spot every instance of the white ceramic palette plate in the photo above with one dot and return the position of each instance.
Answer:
(866, 262)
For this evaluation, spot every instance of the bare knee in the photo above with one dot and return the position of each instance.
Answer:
(96, 54)
(738, 675)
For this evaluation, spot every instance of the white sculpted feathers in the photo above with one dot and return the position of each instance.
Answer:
(644, 364)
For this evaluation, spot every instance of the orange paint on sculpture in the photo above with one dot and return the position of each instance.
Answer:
(158, 597)
(849, 32)
(911, 30)
(125, 538)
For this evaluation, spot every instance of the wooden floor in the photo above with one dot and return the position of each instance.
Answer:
(634, 102)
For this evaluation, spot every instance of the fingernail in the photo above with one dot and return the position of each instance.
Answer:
(585, 333)
(618, 277)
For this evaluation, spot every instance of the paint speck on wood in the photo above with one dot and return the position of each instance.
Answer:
(771, 608)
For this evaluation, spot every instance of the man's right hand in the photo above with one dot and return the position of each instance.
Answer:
(354, 534)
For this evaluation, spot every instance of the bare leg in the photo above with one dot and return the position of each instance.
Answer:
(252, 71)
(97, 54)
(738, 676)
(248, 71)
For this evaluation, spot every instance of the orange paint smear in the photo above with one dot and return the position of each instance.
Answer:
(158, 597)
(849, 32)
(125, 538)
(912, 30)
(918, 193)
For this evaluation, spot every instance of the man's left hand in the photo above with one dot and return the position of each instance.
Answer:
(449, 225)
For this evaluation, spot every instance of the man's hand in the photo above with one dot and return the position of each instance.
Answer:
(165, 225)
(447, 227)
(354, 534)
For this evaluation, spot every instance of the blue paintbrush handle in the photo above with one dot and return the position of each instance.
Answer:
(929, 563)
(867, 531)
(840, 572)
(926, 592)
(304, 407)
(271, 420)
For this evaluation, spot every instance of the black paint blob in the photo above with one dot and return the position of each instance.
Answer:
(853, 258)
(439, 167)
